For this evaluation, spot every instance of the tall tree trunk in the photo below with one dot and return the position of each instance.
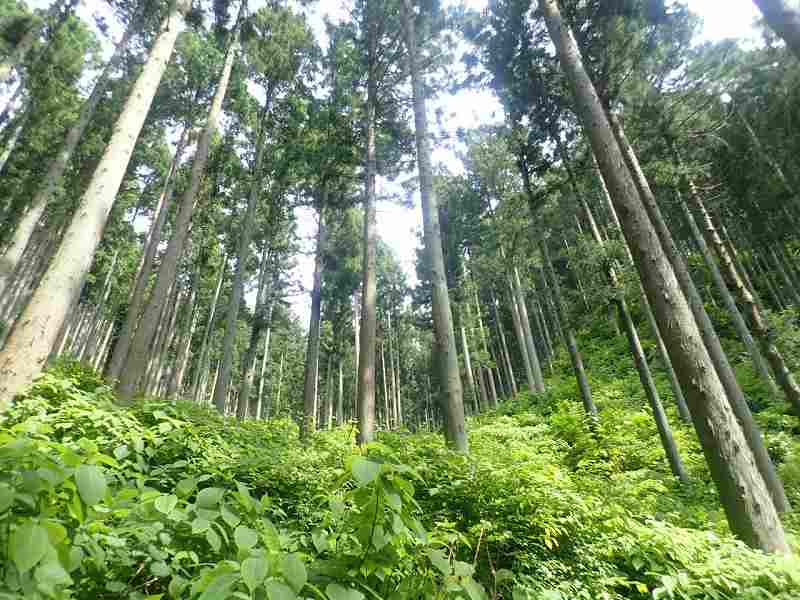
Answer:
(262, 411)
(280, 384)
(677, 392)
(16, 128)
(758, 324)
(138, 293)
(468, 370)
(569, 333)
(201, 365)
(504, 345)
(523, 348)
(646, 378)
(27, 348)
(134, 368)
(263, 296)
(90, 349)
(442, 314)
(538, 379)
(745, 498)
(340, 394)
(368, 327)
(727, 299)
(175, 387)
(722, 366)
(784, 19)
(55, 171)
(310, 372)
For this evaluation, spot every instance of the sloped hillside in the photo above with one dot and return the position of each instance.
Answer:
(171, 501)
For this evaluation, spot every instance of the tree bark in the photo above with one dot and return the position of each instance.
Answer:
(677, 392)
(248, 368)
(175, 387)
(201, 366)
(368, 328)
(572, 345)
(727, 299)
(138, 293)
(134, 367)
(536, 369)
(745, 498)
(504, 345)
(27, 348)
(442, 314)
(720, 360)
(758, 324)
(310, 373)
(55, 171)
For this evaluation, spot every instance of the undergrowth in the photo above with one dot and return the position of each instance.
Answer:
(160, 500)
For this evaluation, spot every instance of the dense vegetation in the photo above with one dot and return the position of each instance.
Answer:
(172, 499)
(588, 388)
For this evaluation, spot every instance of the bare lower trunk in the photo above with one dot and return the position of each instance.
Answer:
(745, 498)
(572, 345)
(263, 297)
(263, 408)
(135, 363)
(468, 370)
(175, 387)
(536, 369)
(368, 327)
(710, 339)
(310, 374)
(201, 365)
(727, 299)
(523, 348)
(26, 350)
(138, 293)
(504, 346)
(442, 314)
(757, 323)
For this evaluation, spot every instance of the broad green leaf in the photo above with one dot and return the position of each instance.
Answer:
(272, 538)
(200, 525)
(6, 496)
(51, 573)
(474, 590)
(440, 561)
(463, 569)
(503, 575)
(219, 587)
(337, 592)
(91, 483)
(365, 471)
(245, 537)
(165, 504)
(294, 571)
(279, 591)
(28, 545)
(209, 497)
(320, 540)
(160, 569)
(254, 570)
(185, 487)
(55, 532)
(230, 517)
(213, 540)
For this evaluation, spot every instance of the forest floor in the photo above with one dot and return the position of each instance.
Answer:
(171, 501)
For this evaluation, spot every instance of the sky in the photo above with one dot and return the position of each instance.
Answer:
(398, 225)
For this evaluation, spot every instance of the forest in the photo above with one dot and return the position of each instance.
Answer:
(584, 387)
